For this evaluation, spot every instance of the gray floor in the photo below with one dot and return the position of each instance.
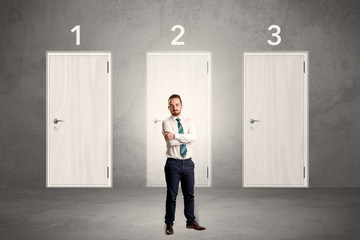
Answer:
(138, 214)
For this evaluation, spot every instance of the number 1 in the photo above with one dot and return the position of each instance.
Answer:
(77, 29)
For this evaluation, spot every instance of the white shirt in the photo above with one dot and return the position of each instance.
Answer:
(173, 146)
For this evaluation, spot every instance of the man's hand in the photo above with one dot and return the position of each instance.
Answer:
(169, 136)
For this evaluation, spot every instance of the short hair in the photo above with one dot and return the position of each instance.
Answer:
(174, 96)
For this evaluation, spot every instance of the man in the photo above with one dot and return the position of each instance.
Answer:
(179, 132)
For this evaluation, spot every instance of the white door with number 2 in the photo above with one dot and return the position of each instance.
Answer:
(186, 74)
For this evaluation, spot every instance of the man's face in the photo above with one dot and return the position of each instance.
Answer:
(175, 107)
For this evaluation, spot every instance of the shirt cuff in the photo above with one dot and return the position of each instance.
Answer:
(177, 136)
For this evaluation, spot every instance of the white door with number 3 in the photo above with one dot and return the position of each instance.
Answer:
(275, 125)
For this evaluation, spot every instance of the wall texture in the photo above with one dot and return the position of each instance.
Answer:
(328, 29)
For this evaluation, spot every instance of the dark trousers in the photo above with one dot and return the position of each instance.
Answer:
(175, 171)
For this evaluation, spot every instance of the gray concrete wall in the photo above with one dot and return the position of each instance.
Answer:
(329, 30)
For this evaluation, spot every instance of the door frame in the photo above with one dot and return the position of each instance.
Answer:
(305, 54)
(163, 53)
(109, 120)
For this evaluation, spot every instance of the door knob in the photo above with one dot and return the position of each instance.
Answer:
(57, 120)
(157, 120)
(252, 121)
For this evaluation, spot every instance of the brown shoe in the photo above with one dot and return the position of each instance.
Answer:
(195, 226)
(169, 229)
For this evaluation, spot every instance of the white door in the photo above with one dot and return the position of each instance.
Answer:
(79, 139)
(186, 74)
(275, 124)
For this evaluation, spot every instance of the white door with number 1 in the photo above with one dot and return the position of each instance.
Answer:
(79, 137)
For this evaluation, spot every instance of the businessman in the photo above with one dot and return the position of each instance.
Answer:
(179, 132)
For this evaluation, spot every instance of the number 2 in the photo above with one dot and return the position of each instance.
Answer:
(275, 34)
(77, 29)
(182, 31)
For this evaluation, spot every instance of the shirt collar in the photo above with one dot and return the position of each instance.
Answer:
(174, 118)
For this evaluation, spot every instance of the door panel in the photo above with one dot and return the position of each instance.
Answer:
(275, 120)
(188, 75)
(79, 95)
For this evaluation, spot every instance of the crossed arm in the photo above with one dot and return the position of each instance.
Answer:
(176, 139)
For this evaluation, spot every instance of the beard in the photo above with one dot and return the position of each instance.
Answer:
(176, 113)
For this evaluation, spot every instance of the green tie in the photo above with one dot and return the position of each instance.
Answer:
(183, 149)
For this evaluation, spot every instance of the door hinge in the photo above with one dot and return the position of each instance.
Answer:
(304, 67)
(107, 172)
(207, 172)
(304, 172)
(107, 67)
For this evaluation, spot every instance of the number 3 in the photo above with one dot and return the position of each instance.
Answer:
(276, 34)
